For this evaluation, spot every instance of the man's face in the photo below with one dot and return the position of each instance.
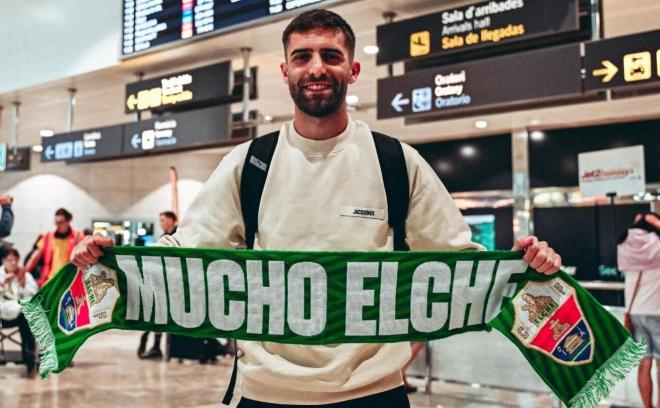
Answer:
(61, 224)
(167, 224)
(10, 263)
(318, 70)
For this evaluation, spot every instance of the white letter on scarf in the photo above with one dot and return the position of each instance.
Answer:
(215, 273)
(296, 298)
(259, 296)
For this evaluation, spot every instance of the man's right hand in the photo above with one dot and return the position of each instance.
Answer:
(88, 251)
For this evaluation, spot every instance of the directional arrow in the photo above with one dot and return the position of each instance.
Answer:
(136, 141)
(607, 73)
(131, 102)
(399, 101)
(49, 152)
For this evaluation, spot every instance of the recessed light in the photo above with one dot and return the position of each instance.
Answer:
(537, 135)
(46, 133)
(468, 151)
(268, 118)
(481, 124)
(37, 148)
(352, 99)
(370, 49)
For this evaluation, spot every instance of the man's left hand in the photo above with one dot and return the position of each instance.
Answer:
(538, 255)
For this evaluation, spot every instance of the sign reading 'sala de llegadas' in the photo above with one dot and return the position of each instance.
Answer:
(485, 24)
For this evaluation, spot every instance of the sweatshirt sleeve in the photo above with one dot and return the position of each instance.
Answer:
(6, 220)
(214, 219)
(434, 222)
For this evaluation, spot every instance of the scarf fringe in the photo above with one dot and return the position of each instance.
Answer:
(608, 375)
(38, 321)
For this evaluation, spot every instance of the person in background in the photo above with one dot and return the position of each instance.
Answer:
(415, 348)
(7, 217)
(639, 258)
(54, 247)
(168, 223)
(16, 284)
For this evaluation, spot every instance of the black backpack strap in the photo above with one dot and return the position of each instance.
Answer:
(253, 179)
(395, 178)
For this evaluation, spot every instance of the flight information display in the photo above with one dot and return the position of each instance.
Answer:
(150, 23)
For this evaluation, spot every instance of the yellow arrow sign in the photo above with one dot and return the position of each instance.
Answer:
(131, 102)
(607, 73)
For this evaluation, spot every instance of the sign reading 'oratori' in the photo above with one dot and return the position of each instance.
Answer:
(274, 298)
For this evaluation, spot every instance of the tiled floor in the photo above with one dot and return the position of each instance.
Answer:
(108, 374)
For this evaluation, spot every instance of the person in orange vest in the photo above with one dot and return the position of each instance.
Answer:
(55, 247)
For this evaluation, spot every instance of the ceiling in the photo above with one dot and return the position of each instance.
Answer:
(100, 94)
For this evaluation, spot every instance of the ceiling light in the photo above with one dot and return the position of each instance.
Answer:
(37, 148)
(468, 151)
(370, 49)
(537, 135)
(46, 133)
(481, 124)
(268, 118)
(352, 99)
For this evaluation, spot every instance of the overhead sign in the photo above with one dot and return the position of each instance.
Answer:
(84, 145)
(18, 159)
(152, 23)
(178, 131)
(619, 171)
(632, 60)
(488, 83)
(485, 24)
(200, 86)
(3, 156)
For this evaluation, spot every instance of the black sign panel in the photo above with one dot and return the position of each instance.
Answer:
(85, 145)
(485, 24)
(200, 86)
(632, 60)
(18, 159)
(488, 83)
(178, 131)
(150, 23)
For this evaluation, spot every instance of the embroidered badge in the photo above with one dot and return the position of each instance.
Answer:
(90, 299)
(377, 214)
(548, 318)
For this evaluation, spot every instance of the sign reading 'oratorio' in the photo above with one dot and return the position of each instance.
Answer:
(485, 24)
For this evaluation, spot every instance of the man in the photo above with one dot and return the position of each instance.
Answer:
(16, 284)
(168, 223)
(7, 217)
(55, 246)
(324, 162)
(639, 258)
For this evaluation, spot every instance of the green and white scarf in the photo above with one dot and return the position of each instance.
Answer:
(578, 348)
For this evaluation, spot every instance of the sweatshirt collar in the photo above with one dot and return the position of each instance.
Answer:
(331, 145)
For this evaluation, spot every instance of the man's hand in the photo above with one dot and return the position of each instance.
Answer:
(88, 251)
(538, 255)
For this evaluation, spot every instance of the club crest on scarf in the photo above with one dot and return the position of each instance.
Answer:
(89, 300)
(548, 318)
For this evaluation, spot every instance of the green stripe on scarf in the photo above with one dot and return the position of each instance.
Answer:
(578, 348)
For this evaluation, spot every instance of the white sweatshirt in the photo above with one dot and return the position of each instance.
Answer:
(310, 185)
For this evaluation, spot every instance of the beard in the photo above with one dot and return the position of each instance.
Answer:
(319, 105)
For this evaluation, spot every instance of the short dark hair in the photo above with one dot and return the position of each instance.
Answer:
(11, 251)
(170, 215)
(64, 213)
(319, 19)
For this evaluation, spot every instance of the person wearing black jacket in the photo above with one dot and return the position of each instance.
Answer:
(7, 217)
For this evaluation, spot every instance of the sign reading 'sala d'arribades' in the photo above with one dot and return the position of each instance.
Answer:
(619, 171)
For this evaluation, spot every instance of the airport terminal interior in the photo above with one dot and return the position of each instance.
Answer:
(125, 127)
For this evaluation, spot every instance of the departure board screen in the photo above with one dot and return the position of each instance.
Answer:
(150, 23)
